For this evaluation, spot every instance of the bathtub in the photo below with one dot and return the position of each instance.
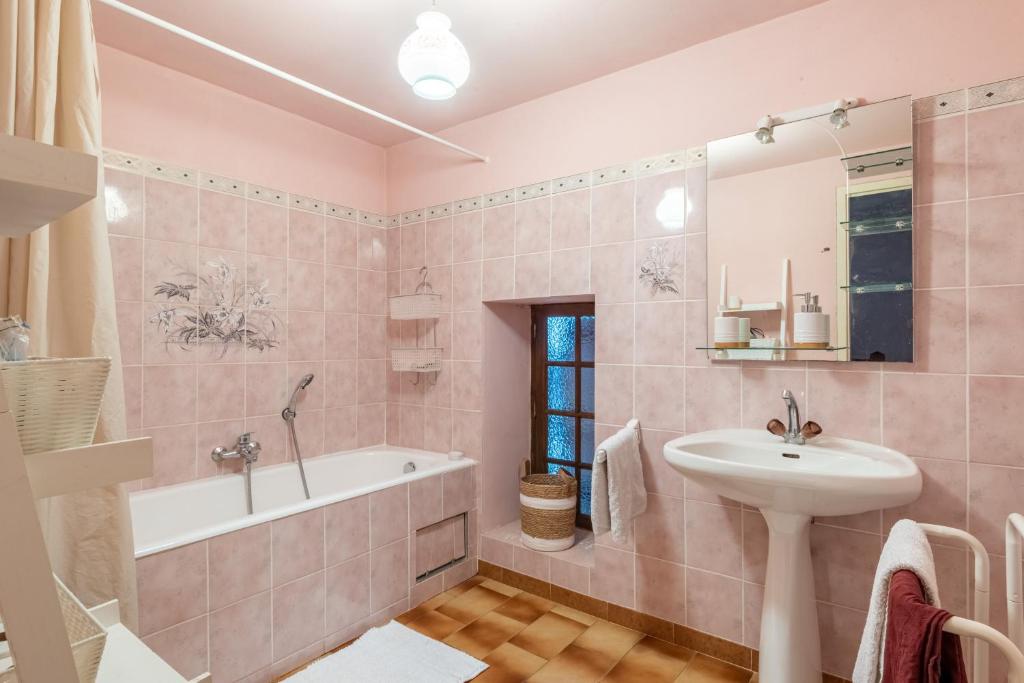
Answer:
(177, 515)
(257, 595)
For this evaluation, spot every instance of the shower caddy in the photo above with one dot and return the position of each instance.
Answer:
(422, 305)
(46, 450)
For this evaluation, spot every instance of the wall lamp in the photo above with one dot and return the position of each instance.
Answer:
(836, 111)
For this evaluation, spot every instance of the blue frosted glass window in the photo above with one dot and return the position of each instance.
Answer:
(587, 339)
(562, 338)
(561, 388)
(587, 440)
(561, 437)
(584, 492)
(587, 390)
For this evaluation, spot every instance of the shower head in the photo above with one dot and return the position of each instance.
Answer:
(289, 412)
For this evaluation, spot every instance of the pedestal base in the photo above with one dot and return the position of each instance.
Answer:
(790, 651)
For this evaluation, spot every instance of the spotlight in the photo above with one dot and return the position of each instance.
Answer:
(764, 131)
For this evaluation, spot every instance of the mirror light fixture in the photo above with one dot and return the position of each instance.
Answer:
(765, 127)
(432, 60)
(838, 117)
(836, 110)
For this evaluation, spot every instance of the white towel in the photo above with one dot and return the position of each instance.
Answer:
(907, 548)
(617, 494)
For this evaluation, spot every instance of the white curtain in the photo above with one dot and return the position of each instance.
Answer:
(60, 279)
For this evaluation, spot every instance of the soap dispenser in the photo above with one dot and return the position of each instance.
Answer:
(810, 325)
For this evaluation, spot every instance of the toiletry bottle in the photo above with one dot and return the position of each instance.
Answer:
(810, 325)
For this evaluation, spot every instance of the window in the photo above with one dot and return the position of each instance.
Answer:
(563, 395)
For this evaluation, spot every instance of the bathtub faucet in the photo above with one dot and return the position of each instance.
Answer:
(246, 450)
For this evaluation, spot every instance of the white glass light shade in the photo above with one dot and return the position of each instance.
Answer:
(432, 60)
(671, 210)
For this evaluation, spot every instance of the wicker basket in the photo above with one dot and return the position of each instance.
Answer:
(86, 634)
(547, 511)
(55, 401)
(415, 306)
(424, 359)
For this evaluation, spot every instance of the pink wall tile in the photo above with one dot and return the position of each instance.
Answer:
(163, 262)
(661, 589)
(915, 404)
(410, 426)
(172, 587)
(265, 388)
(661, 397)
(613, 576)
(498, 227)
(389, 515)
(755, 547)
(347, 529)
(467, 385)
(348, 593)
(172, 211)
(570, 272)
(123, 202)
(569, 575)
(498, 279)
(133, 396)
(341, 242)
(940, 330)
(271, 432)
(266, 228)
(438, 249)
(533, 275)
(298, 542)
(240, 642)
(986, 311)
(129, 331)
(183, 646)
(340, 336)
(298, 620)
(532, 563)
(497, 552)
(570, 220)
(995, 152)
(712, 398)
(660, 332)
(762, 393)
(661, 531)
(437, 429)
(994, 493)
(840, 630)
(459, 492)
(611, 273)
(467, 343)
(126, 256)
(995, 426)
(943, 497)
(829, 403)
(341, 429)
(696, 334)
(651, 192)
(939, 161)
(306, 336)
(714, 538)
(467, 432)
(996, 240)
(668, 252)
(714, 604)
(939, 249)
(614, 333)
(220, 388)
(371, 381)
(389, 574)
(613, 393)
(372, 248)
(221, 220)
(466, 233)
(533, 225)
(659, 476)
(612, 212)
(305, 286)
(339, 383)
(371, 422)
(844, 565)
(169, 394)
(753, 603)
(413, 245)
(696, 266)
(340, 289)
(696, 199)
(370, 293)
(239, 565)
(424, 502)
(466, 286)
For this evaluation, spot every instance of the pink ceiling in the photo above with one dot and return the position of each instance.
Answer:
(520, 49)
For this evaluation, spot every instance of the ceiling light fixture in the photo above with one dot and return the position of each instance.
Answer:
(432, 60)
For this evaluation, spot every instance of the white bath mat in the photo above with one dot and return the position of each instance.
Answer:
(392, 654)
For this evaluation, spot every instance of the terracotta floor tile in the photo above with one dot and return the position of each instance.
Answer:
(509, 664)
(483, 636)
(473, 603)
(525, 607)
(574, 665)
(651, 660)
(608, 639)
(436, 625)
(499, 587)
(549, 635)
(574, 614)
(703, 669)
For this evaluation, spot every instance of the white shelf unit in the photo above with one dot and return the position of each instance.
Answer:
(38, 184)
(754, 307)
(763, 353)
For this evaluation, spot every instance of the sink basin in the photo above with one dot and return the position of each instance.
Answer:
(826, 476)
(790, 484)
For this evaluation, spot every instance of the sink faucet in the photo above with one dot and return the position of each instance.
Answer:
(246, 450)
(792, 433)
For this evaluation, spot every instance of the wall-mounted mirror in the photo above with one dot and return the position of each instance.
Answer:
(809, 239)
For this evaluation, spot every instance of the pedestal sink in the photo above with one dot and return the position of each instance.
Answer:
(790, 484)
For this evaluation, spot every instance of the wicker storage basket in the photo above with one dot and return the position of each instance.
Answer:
(425, 359)
(547, 511)
(415, 306)
(85, 633)
(55, 401)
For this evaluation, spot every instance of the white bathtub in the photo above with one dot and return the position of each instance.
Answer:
(176, 515)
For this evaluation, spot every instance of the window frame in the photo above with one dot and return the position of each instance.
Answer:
(539, 365)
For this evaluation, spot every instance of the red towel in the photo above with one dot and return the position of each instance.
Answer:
(917, 650)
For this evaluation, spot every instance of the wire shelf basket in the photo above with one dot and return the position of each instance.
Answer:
(422, 305)
(423, 359)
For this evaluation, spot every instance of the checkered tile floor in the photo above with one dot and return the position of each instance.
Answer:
(524, 637)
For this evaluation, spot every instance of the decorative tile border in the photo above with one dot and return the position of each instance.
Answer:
(656, 627)
(499, 198)
(468, 204)
(297, 201)
(341, 212)
(570, 182)
(661, 164)
(125, 162)
(533, 191)
(267, 194)
(939, 105)
(367, 218)
(439, 211)
(221, 184)
(177, 174)
(991, 94)
(612, 174)
(413, 216)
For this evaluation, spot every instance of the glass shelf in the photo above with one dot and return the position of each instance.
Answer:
(877, 288)
(877, 226)
(771, 348)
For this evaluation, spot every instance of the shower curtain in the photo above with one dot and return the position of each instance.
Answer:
(60, 280)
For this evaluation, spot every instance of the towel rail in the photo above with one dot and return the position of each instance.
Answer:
(978, 628)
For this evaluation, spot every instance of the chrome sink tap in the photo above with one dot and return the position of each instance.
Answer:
(792, 433)
(246, 450)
